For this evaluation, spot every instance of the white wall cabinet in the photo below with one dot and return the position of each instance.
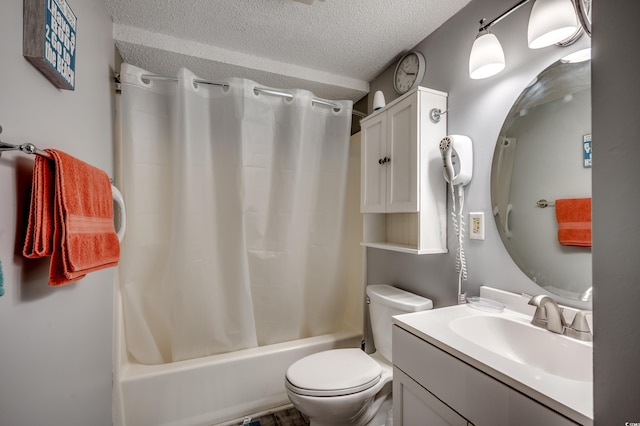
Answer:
(433, 384)
(403, 192)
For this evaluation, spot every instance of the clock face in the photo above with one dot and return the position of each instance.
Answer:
(409, 72)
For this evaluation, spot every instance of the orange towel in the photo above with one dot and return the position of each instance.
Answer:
(71, 218)
(574, 221)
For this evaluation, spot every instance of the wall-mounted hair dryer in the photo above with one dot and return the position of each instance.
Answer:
(457, 158)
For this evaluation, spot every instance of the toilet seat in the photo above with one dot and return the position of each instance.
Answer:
(333, 373)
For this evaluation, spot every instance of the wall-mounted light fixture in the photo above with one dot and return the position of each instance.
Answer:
(559, 22)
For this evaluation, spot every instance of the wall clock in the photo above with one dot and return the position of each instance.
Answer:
(409, 72)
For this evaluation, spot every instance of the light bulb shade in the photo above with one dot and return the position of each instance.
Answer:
(551, 21)
(486, 58)
(378, 100)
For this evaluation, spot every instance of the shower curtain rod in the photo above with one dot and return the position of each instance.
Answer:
(256, 89)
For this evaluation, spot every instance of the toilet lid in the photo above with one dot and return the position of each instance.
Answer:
(332, 373)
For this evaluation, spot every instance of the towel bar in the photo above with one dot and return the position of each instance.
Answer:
(544, 203)
(29, 148)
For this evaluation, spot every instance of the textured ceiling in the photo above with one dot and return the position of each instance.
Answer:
(331, 47)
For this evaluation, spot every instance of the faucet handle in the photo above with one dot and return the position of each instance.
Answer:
(579, 328)
(579, 322)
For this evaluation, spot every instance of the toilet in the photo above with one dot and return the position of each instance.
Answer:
(348, 386)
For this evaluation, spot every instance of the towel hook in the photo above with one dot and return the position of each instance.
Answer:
(435, 114)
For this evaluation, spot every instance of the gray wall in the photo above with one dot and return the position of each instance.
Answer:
(478, 108)
(616, 202)
(55, 343)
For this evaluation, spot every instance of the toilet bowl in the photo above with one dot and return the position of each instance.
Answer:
(348, 386)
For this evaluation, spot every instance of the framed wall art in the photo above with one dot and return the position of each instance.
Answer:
(49, 40)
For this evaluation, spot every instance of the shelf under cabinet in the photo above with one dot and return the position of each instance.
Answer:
(400, 232)
(404, 248)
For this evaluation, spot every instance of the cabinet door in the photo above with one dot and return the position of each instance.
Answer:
(373, 174)
(402, 148)
(414, 405)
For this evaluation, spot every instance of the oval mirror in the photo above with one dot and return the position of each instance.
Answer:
(542, 161)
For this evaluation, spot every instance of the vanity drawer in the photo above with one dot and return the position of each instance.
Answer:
(478, 397)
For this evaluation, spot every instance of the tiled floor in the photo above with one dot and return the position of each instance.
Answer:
(288, 417)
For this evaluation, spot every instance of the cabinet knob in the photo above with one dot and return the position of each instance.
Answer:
(387, 160)
(380, 161)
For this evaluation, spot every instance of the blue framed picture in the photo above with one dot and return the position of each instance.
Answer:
(49, 40)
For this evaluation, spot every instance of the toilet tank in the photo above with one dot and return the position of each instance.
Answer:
(386, 301)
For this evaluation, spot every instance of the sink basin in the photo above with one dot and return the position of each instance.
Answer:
(529, 345)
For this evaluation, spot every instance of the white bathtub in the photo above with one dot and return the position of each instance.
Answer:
(209, 390)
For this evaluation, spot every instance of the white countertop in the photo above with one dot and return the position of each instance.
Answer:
(572, 398)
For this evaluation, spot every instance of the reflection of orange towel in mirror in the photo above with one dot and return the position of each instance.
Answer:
(574, 221)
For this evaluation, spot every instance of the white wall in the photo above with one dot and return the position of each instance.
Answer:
(477, 108)
(55, 343)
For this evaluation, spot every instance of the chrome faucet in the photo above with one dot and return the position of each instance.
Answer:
(548, 314)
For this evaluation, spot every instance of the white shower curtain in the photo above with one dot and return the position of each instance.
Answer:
(236, 216)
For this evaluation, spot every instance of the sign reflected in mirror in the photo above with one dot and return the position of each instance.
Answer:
(539, 161)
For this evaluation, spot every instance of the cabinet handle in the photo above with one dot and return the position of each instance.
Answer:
(380, 161)
(387, 159)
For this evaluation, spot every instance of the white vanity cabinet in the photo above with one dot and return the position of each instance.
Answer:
(431, 386)
(403, 192)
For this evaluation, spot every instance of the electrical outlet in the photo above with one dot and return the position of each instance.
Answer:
(476, 230)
